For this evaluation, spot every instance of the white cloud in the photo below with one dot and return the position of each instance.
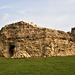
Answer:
(22, 12)
(71, 1)
(4, 7)
(25, 11)
(4, 18)
(63, 18)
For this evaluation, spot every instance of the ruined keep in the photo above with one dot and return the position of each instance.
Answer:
(24, 39)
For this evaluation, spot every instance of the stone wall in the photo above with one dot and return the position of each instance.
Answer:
(24, 39)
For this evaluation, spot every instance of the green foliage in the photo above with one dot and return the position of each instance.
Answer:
(38, 66)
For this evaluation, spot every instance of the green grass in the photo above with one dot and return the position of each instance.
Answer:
(38, 66)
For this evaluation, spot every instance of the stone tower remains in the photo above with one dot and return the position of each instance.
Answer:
(23, 39)
(73, 31)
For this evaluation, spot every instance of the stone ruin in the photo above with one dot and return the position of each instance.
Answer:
(22, 39)
(73, 31)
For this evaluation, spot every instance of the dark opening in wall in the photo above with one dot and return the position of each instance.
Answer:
(11, 50)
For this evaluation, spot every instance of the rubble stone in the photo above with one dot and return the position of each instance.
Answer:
(23, 39)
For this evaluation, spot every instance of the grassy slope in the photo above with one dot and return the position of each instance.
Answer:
(38, 66)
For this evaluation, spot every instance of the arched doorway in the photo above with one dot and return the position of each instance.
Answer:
(11, 50)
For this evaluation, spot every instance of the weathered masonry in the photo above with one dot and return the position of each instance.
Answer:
(22, 39)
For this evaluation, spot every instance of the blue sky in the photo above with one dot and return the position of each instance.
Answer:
(53, 14)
